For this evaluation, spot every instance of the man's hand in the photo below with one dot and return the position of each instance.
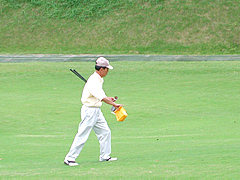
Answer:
(117, 105)
(112, 99)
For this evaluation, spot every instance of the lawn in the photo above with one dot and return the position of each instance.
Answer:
(163, 27)
(183, 120)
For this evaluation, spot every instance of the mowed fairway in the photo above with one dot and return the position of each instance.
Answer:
(184, 120)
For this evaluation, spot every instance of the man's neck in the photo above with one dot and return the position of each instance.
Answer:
(98, 72)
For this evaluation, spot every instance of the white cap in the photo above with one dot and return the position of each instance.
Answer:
(103, 62)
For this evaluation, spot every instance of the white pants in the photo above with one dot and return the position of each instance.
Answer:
(92, 118)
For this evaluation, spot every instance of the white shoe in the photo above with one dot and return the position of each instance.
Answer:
(70, 163)
(109, 159)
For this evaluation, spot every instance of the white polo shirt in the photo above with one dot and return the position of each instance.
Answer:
(93, 92)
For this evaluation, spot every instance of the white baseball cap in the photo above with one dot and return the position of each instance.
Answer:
(103, 62)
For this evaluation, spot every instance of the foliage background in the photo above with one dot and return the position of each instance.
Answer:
(119, 27)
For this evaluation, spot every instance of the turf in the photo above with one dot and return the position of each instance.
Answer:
(183, 120)
(163, 27)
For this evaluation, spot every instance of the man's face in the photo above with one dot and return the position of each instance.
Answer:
(104, 72)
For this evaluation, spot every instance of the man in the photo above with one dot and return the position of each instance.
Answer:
(92, 117)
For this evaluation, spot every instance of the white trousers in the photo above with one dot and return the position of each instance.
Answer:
(92, 118)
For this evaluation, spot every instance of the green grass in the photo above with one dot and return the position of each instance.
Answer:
(183, 120)
(174, 27)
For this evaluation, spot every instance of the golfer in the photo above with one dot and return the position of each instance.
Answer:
(92, 117)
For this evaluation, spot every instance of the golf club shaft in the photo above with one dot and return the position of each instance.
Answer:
(79, 75)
